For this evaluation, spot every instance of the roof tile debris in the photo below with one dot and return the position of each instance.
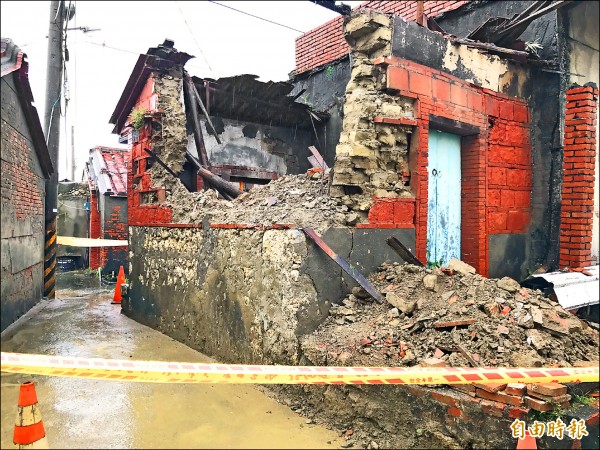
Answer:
(107, 170)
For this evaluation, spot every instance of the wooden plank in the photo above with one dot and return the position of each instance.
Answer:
(355, 274)
(404, 253)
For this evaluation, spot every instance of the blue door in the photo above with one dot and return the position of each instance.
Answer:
(443, 219)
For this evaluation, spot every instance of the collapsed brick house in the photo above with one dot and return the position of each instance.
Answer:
(26, 165)
(107, 178)
(523, 142)
(524, 139)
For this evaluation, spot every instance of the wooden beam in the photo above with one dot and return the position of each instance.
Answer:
(420, 10)
(355, 274)
(223, 186)
(199, 100)
(197, 129)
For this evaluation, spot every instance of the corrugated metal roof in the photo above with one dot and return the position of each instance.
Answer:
(107, 170)
(575, 289)
(12, 61)
(244, 98)
(240, 97)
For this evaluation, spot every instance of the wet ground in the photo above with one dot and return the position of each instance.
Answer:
(79, 413)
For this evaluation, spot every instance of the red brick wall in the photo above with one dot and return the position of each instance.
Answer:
(326, 43)
(95, 231)
(578, 177)
(496, 163)
(138, 178)
(114, 226)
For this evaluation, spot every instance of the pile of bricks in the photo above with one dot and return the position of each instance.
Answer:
(538, 396)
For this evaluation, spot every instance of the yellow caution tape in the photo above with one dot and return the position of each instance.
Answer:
(175, 372)
(89, 242)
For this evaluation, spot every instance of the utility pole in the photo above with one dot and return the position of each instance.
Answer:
(52, 132)
(72, 152)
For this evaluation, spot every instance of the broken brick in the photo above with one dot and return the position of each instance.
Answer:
(505, 310)
(433, 362)
(465, 388)
(549, 389)
(491, 387)
(515, 388)
(502, 329)
(454, 323)
(546, 398)
(500, 397)
(540, 405)
(515, 412)
(438, 353)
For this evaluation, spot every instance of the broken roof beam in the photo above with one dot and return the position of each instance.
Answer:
(196, 98)
(193, 114)
(221, 185)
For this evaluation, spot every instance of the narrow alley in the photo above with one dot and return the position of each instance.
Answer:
(80, 413)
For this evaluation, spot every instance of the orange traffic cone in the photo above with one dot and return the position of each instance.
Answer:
(120, 281)
(527, 443)
(29, 428)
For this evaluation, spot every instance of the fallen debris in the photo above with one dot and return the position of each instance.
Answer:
(485, 325)
(301, 200)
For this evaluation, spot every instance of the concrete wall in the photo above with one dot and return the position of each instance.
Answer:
(273, 148)
(324, 91)
(244, 295)
(22, 216)
(582, 45)
(73, 218)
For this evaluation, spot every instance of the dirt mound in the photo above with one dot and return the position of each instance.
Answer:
(464, 319)
(292, 199)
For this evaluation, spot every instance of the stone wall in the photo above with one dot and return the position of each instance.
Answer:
(244, 295)
(22, 212)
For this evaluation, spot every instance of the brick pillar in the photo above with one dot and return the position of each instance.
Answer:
(94, 230)
(578, 177)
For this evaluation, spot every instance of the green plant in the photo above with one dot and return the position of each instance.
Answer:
(548, 416)
(137, 117)
(582, 399)
(432, 264)
(329, 72)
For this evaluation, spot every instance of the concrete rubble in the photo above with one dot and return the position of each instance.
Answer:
(302, 200)
(432, 313)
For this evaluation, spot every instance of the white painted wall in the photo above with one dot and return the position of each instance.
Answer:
(583, 54)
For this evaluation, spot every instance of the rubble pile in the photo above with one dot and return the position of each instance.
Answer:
(452, 317)
(302, 200)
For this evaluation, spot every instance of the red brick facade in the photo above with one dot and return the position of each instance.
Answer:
(326, 43)
(95, 260)
(578, 177)
(496, 161)
(138, 177)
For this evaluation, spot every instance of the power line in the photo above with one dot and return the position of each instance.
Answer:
(256, 17)
(194, 38)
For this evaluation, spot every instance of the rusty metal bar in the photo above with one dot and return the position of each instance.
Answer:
(403, 252)
(355, 274)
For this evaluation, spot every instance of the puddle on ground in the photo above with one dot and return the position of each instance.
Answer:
(80, 413)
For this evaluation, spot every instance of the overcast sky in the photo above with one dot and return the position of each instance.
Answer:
(225, 43)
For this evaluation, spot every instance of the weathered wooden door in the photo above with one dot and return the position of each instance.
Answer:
(443, 219)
